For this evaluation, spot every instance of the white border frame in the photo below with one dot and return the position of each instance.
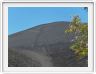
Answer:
(94, 36)
(48, 0)
(5, 67)
(0, 38)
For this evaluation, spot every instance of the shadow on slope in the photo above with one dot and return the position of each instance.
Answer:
(15, 59)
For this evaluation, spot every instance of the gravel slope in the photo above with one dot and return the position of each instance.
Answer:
(46, 44)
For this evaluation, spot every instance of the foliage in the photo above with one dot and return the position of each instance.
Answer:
(80, 30)
(86, 8)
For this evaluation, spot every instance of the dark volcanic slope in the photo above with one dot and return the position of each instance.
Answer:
(46, 44)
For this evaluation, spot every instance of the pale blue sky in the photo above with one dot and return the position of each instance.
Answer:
(21, 18)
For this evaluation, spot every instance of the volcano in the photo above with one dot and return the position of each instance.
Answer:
(46, 45)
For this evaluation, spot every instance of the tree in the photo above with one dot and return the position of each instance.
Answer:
(80, 41)
(86, 8)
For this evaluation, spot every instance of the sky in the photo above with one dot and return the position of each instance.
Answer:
(22, 18)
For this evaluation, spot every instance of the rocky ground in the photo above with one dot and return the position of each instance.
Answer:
(45, 45)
